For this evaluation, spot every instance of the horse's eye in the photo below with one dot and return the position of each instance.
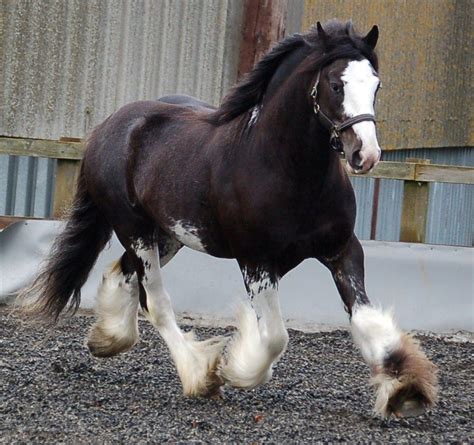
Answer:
(335, 87)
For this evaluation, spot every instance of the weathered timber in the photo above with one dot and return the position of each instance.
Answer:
(264, 24)
(41, 148)
(415, 208)
(66, 176)
(445, 173)
(66, 149)
(393, 170)
(419, 171)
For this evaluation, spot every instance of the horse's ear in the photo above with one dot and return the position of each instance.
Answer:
(321, 33)
(372, 37)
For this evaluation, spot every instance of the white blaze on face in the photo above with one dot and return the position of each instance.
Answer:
(360, 86)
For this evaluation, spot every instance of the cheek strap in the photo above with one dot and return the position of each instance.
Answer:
(333, 128)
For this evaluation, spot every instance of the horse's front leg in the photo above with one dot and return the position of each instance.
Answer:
(404, 379)
(262, 337)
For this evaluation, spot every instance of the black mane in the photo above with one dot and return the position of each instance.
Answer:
(341, 41)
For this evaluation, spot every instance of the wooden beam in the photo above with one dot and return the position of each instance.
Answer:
(418, 171)
(393, 170)
(41, 148)
(445, 173)
(415, 209)
(264, 24)
(389, 170)
(66, 177)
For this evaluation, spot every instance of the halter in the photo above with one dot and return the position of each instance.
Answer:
(333, 128)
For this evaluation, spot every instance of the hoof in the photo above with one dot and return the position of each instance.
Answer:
(408, 402)
(410, 408)
(407, 384)
(197, 368)
(214, 386)
(102, 345)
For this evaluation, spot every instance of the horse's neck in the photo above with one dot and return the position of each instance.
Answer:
(286, 131)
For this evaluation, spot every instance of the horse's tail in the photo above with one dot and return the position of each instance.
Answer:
(73, 254)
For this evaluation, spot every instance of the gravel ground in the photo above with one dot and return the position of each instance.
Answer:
(53, 391)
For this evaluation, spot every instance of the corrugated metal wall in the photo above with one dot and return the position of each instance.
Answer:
(426, 101)
(68, 64)
(450, 208)
(424, 48)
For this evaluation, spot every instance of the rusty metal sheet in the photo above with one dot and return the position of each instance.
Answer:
(425, 51)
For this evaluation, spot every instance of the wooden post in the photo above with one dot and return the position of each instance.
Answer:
(415, 208)
(375, 209)
(264, 24)
(66, 176)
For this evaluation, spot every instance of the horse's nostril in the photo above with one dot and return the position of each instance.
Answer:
(357, 159)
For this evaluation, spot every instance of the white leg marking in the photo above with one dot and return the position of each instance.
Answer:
(375, 333)
(259, 343)
(196, 362)
(188, 234)
(116, 329)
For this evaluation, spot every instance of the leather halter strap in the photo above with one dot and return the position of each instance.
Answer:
(334, 129)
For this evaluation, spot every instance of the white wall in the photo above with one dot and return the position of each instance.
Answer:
(429, 287)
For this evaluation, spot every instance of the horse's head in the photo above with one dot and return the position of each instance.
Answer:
(344, 93)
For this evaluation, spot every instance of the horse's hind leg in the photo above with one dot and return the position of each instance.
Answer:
(196, 362)
(404, 379)
(116, 328)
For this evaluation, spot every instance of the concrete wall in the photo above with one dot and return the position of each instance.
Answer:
(428, 287)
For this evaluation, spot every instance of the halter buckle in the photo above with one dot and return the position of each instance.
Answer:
(335, 141)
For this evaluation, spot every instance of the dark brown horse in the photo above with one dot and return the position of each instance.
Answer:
(258, 179)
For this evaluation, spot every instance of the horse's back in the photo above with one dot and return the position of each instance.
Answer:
(116, 135)
(150, 154)
(188, 102)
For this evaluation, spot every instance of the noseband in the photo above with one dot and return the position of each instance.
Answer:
(334, 129)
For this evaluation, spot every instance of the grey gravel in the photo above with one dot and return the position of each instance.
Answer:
(53, 391)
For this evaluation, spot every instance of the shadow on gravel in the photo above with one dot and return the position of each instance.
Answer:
(52, 390)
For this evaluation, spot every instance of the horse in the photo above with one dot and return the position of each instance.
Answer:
(258, 179)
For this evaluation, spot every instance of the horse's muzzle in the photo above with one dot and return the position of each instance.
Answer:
(364, 160)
